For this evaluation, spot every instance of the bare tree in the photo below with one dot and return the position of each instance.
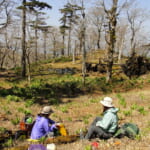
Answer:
(135, 18)
(6, 7)
(54, 37)
(111, 14)
(121, 37)
(97, 18)
(45, 35)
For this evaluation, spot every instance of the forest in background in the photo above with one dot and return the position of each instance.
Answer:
(115, 27)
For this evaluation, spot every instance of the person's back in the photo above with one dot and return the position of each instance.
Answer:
(109, 121)
(40, 128)
(43, 125)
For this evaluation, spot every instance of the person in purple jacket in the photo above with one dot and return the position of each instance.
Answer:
(43, 125)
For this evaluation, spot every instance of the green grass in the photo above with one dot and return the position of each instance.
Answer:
(122, 100)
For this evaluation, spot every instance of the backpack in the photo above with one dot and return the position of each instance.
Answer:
(127, 129)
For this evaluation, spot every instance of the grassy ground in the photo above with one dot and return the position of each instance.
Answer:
(77, 112)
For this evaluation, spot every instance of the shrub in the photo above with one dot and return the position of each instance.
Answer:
(62, 59)
(13, 98)
(27, 112)
(29, 103)
(20, 109)
(53, 101)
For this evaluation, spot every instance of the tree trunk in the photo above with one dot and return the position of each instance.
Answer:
(112, 22)
(83, 45)
(54, 46)
(44, 46)
(36, 38)
(29, 69)
(120, 50)
(62, 50)
(98, 39)
(69, 42)
(23, 39)
(74, 52)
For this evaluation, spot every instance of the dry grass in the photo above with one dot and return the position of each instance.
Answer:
(78, 113)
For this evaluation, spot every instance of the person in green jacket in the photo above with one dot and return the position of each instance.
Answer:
(106, 126)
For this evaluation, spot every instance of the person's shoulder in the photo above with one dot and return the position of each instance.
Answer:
(44, 119)
(113, 110)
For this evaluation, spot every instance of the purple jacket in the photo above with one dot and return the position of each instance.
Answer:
(41, 127)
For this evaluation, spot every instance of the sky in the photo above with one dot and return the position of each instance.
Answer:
(55, 15)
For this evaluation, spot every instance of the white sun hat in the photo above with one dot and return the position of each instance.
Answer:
(46, 110)
(107, 102)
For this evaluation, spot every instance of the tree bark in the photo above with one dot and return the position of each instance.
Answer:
(23, 39)
(111, 34)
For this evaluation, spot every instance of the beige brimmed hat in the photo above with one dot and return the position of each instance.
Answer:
(47, 110)
(107, 102)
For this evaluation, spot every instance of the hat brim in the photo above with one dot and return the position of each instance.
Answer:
(46, 113)
(106, 105)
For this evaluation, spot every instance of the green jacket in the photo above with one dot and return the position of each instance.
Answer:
(109, 121)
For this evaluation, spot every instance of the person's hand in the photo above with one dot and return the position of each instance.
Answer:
(58, 124)
(53, 126)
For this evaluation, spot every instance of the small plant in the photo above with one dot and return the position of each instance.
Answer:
(8, 143)
(88, 147)
(27, 112)
(134, 106)
(15, 121)
(7, 110)
(86, 104)
(94, 100)
(64, 109)
(42, 139)
(138, 137)
(20, 109)
(85, 119)
(122, 100)
(127, 112)
(142, 96)
(55, 115)
(141, 110)
(69, 119)
(2, 130)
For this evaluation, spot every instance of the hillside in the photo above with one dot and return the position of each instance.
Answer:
(75, 105)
